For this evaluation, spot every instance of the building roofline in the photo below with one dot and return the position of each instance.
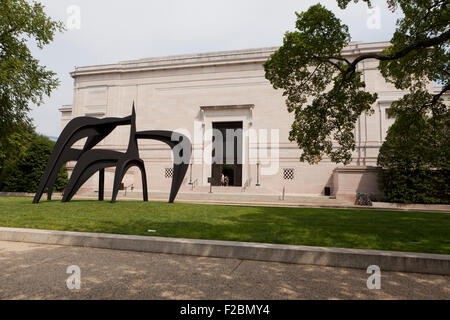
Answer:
(258, 55)
(67, 107)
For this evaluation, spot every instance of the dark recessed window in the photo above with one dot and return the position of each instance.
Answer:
(389, 114)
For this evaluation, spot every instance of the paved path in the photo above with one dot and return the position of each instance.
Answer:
(32, 271)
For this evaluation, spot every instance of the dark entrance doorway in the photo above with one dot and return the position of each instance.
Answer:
(227, 153)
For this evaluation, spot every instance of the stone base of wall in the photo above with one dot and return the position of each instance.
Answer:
(345, 183)
(348, 181)
(18, 194)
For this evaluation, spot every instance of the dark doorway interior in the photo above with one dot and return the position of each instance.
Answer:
(231, 167)
(228, 171)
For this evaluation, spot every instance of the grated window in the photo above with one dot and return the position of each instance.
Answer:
(288, 174)
(168, 173)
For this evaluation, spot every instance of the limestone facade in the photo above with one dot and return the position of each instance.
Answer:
(189, 93)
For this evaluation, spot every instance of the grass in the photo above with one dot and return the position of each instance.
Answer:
(364, 229)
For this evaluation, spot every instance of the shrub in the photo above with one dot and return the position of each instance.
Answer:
(415, 161)
(415, 186)
(24, 173)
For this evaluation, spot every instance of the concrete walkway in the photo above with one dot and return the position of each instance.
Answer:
(34, 271)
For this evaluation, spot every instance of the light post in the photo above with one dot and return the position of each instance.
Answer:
(257, 175)
(190, 174)
(210, 184)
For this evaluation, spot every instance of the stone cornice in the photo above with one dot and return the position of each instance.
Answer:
(210, 59)
(65, 108)
(227, 107)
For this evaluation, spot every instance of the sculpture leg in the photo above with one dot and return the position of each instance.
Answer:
(118, 176)
(121, 170)
(179, 172)
(80, 178)
(52, 180)
(50, 191)
(51, 172)
(179, 169)
(144, 182)
(91, 162)
(101, 184)
(48, 172)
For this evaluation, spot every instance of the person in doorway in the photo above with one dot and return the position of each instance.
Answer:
(227, 181)
(222, 180)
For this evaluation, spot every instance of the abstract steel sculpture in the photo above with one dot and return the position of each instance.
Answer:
(90, 160)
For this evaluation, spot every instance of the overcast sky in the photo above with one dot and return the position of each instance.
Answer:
(117, 30)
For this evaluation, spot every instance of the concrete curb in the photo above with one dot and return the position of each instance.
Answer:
(334, 257)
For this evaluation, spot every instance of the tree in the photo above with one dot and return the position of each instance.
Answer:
(22, 80)
(23, 174)
(14, 145)
(309, 64)
(414, 161)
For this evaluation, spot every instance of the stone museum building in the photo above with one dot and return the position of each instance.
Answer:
(196, 93)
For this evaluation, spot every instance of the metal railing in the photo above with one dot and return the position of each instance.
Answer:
(194, 184)
(131, 186)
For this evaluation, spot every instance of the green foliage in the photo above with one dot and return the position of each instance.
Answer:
(22, 174)
(325, 91)
(415, 186)
(303, 68)
(415, 161)
(426, 22)
(22, 80)
(343, 3)
(14, 145)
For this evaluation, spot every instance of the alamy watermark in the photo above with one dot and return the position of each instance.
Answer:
(73, 282)
(226, 146)
(74, 17)
(374, 19)
(374, 280)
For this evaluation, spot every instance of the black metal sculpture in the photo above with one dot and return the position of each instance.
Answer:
(89, 160)
(181, 159)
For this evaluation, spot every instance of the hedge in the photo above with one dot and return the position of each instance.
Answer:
(24, 174)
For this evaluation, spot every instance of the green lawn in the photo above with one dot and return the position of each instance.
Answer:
(368, 229)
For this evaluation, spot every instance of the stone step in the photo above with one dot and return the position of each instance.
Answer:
(216, 195)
